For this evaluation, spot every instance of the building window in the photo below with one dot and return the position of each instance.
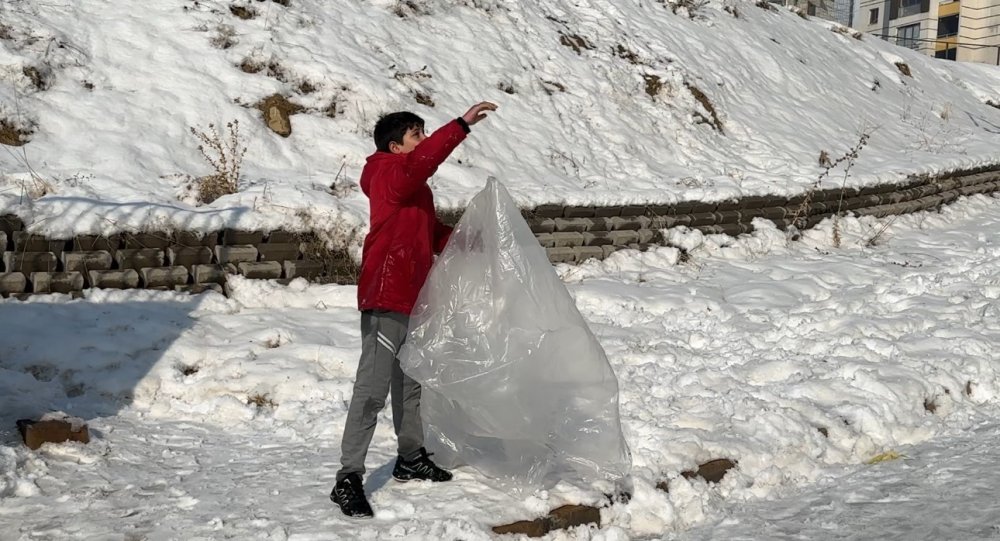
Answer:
(873, 16)
(909, 7)
(811, 9)
(947, 54)
(948, 26)
(907, 36)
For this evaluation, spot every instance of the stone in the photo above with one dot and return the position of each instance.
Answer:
(530, 528)
(86, 261)
(236, 254)
(113, 279)
(567, 239)
(139, 258)
(703, 218)
(278, 251)
(264, 270)
(597, 238)
(56, 282)
(548, 211)
(569, 516)
(277, 112)
(303, 268)
(13, 282)
(10, 223)
(28, 262)
(195, 289)
(628, 211)
(619, 238)
(546, 240)
(602, 212)
(36, 433)
(573, 225)
(189, 256)
(712, 471)
(631, 222)
(27, 242)
(163, 276)
(576, 211)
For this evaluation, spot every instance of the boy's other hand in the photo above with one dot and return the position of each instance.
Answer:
(478, 112)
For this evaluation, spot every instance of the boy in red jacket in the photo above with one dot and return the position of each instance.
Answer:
(396, 258)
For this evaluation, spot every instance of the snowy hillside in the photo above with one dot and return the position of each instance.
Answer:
(600, 102)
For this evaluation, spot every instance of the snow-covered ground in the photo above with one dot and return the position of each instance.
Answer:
(220, 417)
(744, 352)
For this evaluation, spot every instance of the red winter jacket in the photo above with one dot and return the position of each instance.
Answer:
(405, 232)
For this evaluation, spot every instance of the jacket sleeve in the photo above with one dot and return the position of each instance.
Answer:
(441, 235)
(425, 159)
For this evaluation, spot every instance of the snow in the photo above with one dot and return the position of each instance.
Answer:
(216, 417)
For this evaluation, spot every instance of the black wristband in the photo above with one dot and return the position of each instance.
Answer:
(465, 125)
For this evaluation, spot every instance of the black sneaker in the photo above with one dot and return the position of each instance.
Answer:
(349, 494)
(421, 468)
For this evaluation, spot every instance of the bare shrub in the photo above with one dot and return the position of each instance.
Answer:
(801, 214)
(576, 42)
(224, 152)
(904, 68)
(262, 401)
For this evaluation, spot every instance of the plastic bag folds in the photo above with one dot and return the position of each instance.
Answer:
(514, 383)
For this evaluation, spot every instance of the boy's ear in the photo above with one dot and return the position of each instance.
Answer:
(395, 147)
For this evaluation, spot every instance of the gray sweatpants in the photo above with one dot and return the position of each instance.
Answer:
(382, 333)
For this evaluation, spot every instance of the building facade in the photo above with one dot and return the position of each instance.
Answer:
(963, 30)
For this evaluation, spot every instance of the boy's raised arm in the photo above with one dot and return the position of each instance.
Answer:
(433, 151)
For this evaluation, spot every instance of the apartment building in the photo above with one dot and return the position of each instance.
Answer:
(963, 30)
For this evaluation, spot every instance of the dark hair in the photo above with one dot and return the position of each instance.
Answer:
(392, 127)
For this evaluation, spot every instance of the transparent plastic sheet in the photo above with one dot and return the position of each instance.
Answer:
(514, 383)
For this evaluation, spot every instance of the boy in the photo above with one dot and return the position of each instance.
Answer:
(396, 258)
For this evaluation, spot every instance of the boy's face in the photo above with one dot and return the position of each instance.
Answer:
(411, 139)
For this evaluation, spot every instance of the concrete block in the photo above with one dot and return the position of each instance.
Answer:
(231, 237)
(303, 268)
(546, 240)
(603, 212)
(569, 516)
(703, 218)
(86, 261)
(28, 262)
(548, 211)
(10, 223)
(214, 274)
(657, 210)
(727, 205)
(3, 241)
(561, 255)
(263, 270)
(573, 225)
(195, 289)
(138, 241)
(628, 211)
(609, 249)
(163, 276)
(91, 243)
(729, 216)
(649, 235)
(577, 211)
(619, 238)
(584, 253)
(754, 202)
(28, 242)
(597, 238)
(278, 251)
(36, 433)
(191, 239)
(601, 223)
(139, 258)
(13, 282)
(56, 282)
(567, 239)
(631, 222)
(666, 222)
(545, 225)
(113, 279)
(236, 253)
(283, 237)
(188, 256)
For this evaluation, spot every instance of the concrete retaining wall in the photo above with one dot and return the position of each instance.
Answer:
(189, 262)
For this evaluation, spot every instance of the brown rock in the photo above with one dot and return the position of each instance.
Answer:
(568, 516)
(530, 528)
(35, 433)
(712, 471)
(277, 112)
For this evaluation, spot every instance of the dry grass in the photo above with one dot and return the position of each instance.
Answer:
(11, 135)
(653, 85)
(262, 401)
(709, 108)
(243, 12)
(904, 68)
(423, 99)
(576, 42)
(224, 152)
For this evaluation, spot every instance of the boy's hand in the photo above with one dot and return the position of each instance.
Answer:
(478, 112)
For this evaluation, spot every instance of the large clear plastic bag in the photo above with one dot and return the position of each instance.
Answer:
(514, 383)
